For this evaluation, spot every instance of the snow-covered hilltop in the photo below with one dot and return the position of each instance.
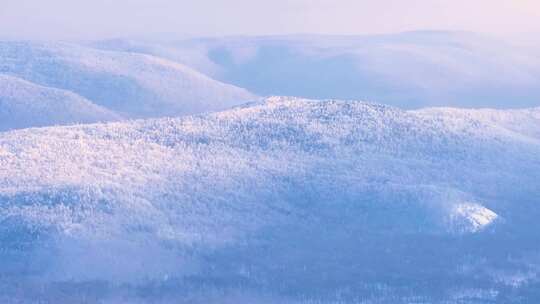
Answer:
(132, 85)
(285, 198)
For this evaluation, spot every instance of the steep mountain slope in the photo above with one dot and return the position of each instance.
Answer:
(133, 85)
(410, 70)
(286, 200)
(24, 104)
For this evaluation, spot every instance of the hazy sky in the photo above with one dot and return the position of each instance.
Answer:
(89, 19)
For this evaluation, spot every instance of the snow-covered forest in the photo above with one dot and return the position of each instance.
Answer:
(161, 171)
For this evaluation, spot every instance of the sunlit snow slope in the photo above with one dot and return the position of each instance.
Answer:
(285, 200)
(130, 84)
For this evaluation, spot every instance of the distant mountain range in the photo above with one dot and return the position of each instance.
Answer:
(409, 70)
(142, 79)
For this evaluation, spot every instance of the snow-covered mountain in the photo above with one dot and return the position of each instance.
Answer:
(142, 79)
(410, 70)
(133, 85)
(283, 200)
(24, 104)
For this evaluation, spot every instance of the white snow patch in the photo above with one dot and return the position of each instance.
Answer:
(471, 217)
